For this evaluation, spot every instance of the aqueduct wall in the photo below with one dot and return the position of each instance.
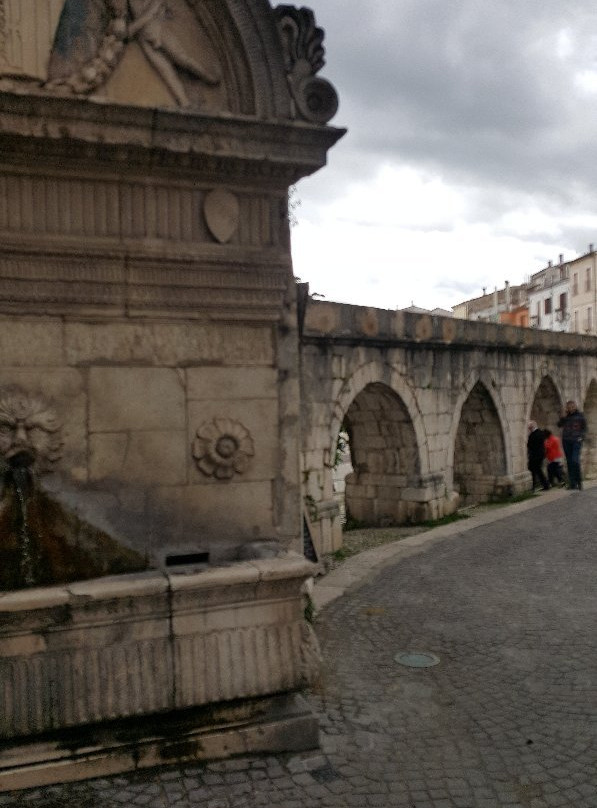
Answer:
(436, 410)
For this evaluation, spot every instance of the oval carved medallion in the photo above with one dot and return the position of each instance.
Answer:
(222, 213)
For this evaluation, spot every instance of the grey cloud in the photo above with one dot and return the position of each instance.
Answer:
(473, 89)
(575, 242)
(463, 288)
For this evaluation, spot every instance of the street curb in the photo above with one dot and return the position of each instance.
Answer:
(355, 570)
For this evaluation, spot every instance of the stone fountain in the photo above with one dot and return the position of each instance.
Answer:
(151, 579)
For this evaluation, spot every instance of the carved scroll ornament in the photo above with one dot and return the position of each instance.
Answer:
(222, 448)
(315, 98)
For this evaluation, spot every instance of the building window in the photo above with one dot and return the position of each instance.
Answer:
(563, 302)
(575, 283)
(588, 279)
(547, 305)
(576, 321)
(589, 318)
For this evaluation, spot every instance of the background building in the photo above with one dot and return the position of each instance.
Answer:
(583, 292)
(549, 297)
(507, 305)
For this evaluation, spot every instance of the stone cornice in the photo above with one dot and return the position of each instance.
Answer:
(137, 136)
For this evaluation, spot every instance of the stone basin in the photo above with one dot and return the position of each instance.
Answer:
(144, 644)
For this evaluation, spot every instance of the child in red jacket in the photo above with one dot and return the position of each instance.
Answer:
(555, 458)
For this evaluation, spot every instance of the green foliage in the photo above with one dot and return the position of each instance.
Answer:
(341, 446)
(343, 553)
(309, 610)
(354, 524)
(293, 205)
(311, 507)
(444, 520)
(511, 500)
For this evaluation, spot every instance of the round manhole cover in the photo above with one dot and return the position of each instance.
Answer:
(417, 659)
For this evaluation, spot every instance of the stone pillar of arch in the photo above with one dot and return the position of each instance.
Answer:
(589, 453)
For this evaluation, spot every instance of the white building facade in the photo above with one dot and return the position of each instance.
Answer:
(549, 298)
(583, 292)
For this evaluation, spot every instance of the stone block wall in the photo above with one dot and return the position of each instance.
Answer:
(146, 285)
(131, 398)
(148, 345)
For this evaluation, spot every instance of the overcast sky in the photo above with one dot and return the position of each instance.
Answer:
(471, 151)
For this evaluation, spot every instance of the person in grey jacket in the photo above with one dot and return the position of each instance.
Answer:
(574, 429)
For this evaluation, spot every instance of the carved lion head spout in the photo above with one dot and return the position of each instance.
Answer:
(29, 430)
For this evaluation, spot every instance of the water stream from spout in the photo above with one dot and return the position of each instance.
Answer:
(43, 543)
(22, 481)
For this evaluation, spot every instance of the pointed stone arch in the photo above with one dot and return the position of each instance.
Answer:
(319, 450)
(480, 459)
(372, 373)
(546, 406)
(385, 457)
(493, 392)
(590, 412)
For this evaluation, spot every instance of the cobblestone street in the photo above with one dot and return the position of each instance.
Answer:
(507, 719)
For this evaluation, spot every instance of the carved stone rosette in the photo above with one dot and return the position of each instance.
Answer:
(222, 448)
(315, 98)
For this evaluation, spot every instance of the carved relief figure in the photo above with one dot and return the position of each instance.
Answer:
(41, 542)
(92, 35)
(162, 48)
(88, 45)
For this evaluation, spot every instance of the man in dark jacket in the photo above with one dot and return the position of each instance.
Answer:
(574, 428)
(536, 455)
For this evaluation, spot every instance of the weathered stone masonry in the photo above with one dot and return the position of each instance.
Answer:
(147, 298)
(437, 409)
